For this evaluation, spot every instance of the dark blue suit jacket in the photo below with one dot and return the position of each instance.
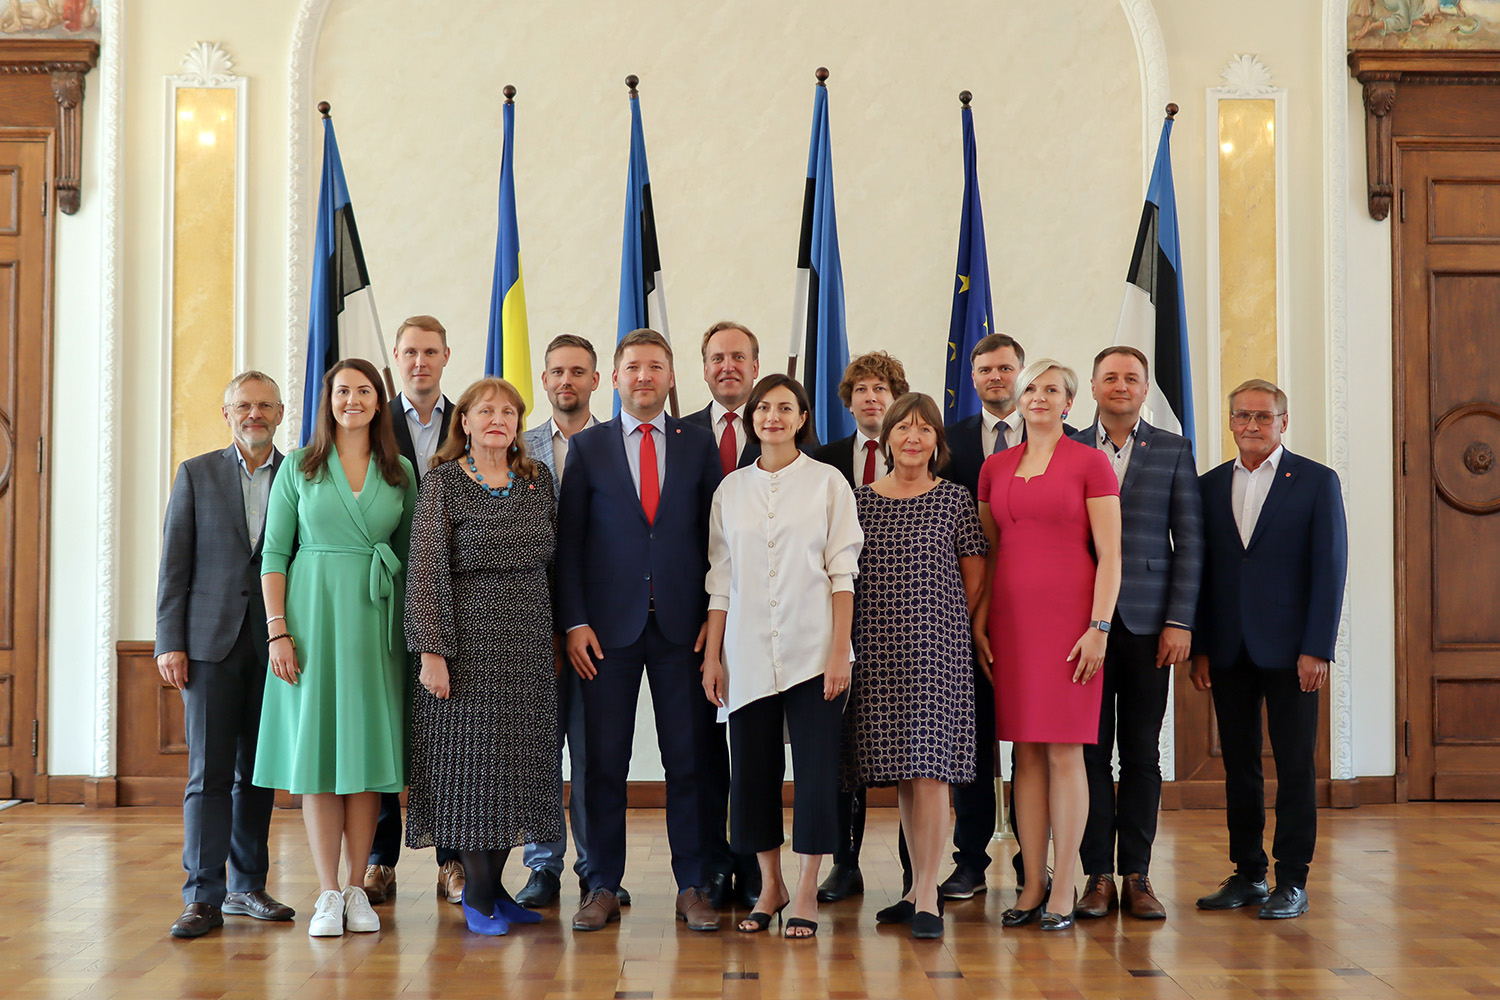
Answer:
(1282, 595)
(611, 560)
(1161, 538)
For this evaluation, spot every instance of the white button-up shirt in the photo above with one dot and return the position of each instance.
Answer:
(993, 426)
(860, 451)
(1248, 492)
(560, 446)
(780, 545)
(718, 411)
(1119, 458)
(425, 438)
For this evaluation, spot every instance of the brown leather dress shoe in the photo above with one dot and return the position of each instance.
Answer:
(599, 908)
(451, 881)
(1099, 896)
(692, 907)
(1139, 901)
(259, 904)
(197, 920)
(380, 883)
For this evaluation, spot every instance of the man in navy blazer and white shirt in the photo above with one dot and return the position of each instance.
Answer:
(632, 555)
(570, 374)
(1277, 552)
(211, 645)
(1162, 550)
(419, 415)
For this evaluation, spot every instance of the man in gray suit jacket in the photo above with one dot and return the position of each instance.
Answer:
(570, 374)
(211, 645)
(1162, 549)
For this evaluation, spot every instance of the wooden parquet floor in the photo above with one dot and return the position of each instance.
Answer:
(1405, 903)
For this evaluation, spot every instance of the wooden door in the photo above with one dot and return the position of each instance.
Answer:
(25, 333)
(1447, 370)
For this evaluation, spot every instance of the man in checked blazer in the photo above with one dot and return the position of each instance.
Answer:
(211, 645)
(1162, 548)
(1275, 558)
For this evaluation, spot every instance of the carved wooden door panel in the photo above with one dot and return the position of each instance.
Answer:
(25, 332)
(1447, 271)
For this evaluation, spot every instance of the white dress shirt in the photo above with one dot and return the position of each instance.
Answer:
(991, 426)
(425, 438)
(718, 412)
(780, 545)
(859, 457)
(560, 446)
(1118, 457)
(1248, 492)
(658, 425)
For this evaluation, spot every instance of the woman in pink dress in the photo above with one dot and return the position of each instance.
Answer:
(1050, 508)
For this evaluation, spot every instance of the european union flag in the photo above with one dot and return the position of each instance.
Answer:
(972, 309)
(507, 350)
(819, 336)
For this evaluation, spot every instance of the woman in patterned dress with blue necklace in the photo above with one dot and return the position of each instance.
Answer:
(479, 615)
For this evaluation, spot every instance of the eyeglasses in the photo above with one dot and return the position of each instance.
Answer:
(1242, 417)
(244, 409)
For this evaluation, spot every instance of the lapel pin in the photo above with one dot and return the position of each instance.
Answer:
(679, 430)
(1288, 475)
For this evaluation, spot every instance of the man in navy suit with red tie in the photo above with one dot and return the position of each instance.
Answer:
(632, 553)
(1276, 554)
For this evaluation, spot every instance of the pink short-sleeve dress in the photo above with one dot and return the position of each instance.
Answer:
(1044, 591)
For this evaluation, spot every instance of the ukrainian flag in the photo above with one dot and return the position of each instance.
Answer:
(508, 349)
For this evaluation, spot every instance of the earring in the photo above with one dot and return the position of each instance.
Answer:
(466, 446)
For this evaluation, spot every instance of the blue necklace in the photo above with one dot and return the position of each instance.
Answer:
(503, 491)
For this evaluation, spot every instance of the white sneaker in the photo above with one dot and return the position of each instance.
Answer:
(328, 918)
(358, 915)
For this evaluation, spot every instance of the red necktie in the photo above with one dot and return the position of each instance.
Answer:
(729, 446)
(870, 447)
(650, 486)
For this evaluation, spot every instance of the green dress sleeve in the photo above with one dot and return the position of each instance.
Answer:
(281, 516)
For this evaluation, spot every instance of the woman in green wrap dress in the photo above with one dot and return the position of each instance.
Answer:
(337, 528)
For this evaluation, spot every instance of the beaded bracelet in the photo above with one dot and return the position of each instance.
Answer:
(284, 635)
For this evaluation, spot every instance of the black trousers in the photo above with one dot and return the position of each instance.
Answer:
(851, 813)
(974, 802)
(815, 726)
(718, 859)
(684, 731)
(1292, 720)
(1135, 701)
(226, 819)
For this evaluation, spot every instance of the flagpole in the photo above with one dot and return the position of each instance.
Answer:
(791, 362)
(631, 82)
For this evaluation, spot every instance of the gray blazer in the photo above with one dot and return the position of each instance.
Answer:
(1161, 540)
(538, 442)
(209, 574)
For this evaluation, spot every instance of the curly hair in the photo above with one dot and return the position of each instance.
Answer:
(876, 365)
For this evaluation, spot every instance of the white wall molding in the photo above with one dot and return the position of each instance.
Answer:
(107, 498)
(1336, 337)
(1156, 89)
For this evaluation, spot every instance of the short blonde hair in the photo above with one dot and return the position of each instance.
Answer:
(1261, 385)
(1037, 368)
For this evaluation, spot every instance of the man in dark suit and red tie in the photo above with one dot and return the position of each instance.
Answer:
(632, 554)
(871, 383)
(419, 415)
(211, 645)
(1277, 552)
(1162, 553)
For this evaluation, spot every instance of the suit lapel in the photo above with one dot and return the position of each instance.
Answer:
(229, 482)
(1281, 485)
(676, 477)
(1140, 454)
(403, 432)
(620, 465)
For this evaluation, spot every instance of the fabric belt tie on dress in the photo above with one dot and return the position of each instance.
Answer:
(383, 569)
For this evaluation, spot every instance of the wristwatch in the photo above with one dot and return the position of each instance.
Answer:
(1101, 626)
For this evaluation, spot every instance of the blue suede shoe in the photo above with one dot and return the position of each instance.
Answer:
(515, 913)
(493, 926)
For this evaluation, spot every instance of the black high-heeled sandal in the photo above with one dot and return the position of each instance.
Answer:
(761, 920)
(795, 923)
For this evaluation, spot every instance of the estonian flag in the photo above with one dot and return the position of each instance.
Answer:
(507, 351)
(818, 333)
(643, 300)
(342, 322)
(1152, 317)
(970, 322)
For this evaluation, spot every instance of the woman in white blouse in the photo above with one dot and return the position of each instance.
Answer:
(783, 550)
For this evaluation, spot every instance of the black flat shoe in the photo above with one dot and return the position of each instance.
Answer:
(899, 912)
(1060, 921)
(761, 920)
(1017, 917)
(927, 926)
(798, 923)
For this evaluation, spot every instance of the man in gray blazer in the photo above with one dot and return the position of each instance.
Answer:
(211, 645)
(570, 374)
(1162, 546)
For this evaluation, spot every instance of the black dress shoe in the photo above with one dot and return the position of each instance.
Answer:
(1285, 901)
(717, 887)
(257, 903)
(747, 888)
(963, 883)
(623, 895)
(843, 881)
(1234, 892)
(197, 920)
(542, 888)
